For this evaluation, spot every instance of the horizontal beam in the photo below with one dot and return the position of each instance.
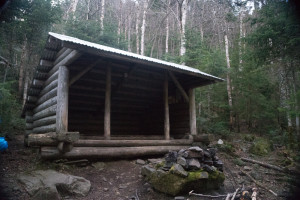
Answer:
(108, 152)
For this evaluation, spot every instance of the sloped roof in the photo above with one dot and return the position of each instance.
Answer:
(119, 52)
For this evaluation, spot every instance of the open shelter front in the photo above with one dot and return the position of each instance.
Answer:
(94, 97)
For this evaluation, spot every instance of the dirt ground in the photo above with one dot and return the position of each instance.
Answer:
(121, 180)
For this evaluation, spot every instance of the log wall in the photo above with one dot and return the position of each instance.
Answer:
(137, 100)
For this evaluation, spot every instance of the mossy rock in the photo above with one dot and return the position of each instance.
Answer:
(173, 184)
(260, 147)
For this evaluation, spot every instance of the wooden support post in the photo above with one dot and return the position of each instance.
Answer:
(192, 107)
(62, 100)
(166, 108)
(107, 104)
(62, 106)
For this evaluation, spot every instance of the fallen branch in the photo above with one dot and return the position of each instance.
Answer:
(264, 164)
(228, 196)
(234, 194)
(204, 195)
(258, 183)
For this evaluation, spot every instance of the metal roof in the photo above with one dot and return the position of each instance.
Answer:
(132, 55)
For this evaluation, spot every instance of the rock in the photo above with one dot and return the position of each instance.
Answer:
(181, 152)
(147, 170)
(140, 162)
(208, 161)
(155, 160)
(160, 172)
(122, 186)
(49, 184)
(220, 141)
(182, 161)
(193, 164)
(174, 184)
(196, 148)
(171, 158)
(105, 189)
(247, 168)
(212, 152)
(179, 198)
(178, 169)
(207, 154)
(208, 168)
(195, 154)
(99, 165)
(219, 165)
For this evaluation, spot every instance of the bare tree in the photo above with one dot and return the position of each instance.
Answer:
(145, 8)
(102, 16)
(228, 80)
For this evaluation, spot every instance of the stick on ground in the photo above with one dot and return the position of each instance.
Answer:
(258, 183)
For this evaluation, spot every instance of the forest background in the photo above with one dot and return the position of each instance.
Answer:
(254, 45)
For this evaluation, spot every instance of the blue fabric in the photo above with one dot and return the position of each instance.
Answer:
(3, 144)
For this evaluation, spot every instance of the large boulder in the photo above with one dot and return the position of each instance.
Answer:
(176, 183)
(52, 185)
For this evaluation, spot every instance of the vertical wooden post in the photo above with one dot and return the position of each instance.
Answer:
(166, 108)
(107, 104)
(62, 100)
(192, 107)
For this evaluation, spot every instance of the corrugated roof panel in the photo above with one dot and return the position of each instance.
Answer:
(129, 54)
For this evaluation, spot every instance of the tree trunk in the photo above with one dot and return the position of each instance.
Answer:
(26, 82)
(102, 16)
(182, 19)
(240, 39)
(202, 19)
(167, 29)
(143, 28)
(120, 21)
(228, 81)
(22, 64)
(137, 25)
(72, 9)
(129, 33)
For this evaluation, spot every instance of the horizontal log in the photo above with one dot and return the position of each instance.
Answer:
(68, 59)
(29, 126)
(37, 84)
(62, 54)
(33, 92)
(45, 129)
(52, 138)
(52, 93)
(124, 137)
(45, 113)
(131, 143)
(51, 78)
(49, 87)
(45, 105)
(32, 99)
(40, 75)
(107, 152)
(45, 141)
(202, 138)
(28, 119)
(44, 121)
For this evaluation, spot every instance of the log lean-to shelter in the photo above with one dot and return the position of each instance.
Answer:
(92, 101)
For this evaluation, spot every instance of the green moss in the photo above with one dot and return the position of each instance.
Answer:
(159, 165)
(260, 147)
(196, 175)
